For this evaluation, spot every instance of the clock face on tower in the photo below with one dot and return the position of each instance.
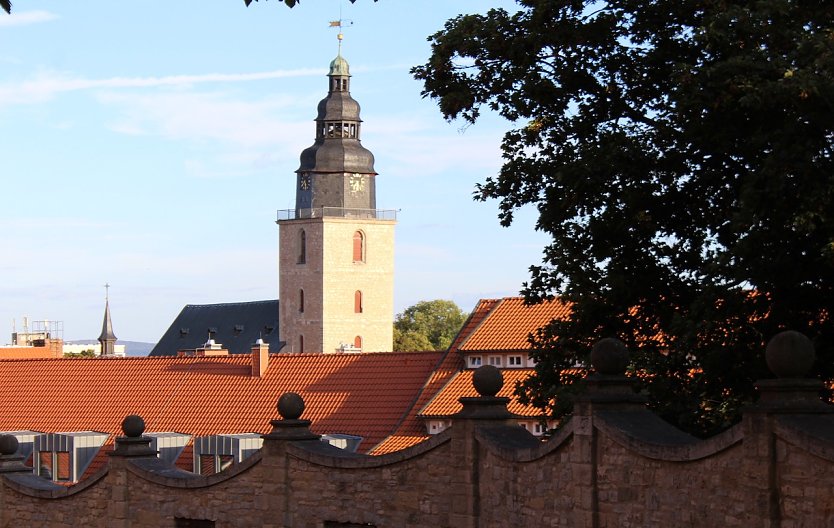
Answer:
(304, 182)
(357, 183)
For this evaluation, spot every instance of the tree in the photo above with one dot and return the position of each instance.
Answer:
(427, 325)
(679, 153)
(88, 353)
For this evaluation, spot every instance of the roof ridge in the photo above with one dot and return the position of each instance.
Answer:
(233, 303)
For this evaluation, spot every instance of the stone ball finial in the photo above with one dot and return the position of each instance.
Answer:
(487, 380)
(133, 426)
(790, 354)
(8, 444)
(290, 406)
(610, 357)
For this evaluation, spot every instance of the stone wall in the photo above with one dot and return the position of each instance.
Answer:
(612, 464)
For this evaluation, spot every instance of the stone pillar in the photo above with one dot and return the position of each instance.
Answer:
(790, 355)
(487, 410)
(132, 445)
(607, 389)
(278, 487)
(9, 463)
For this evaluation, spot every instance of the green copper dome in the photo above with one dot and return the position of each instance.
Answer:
(339, 67)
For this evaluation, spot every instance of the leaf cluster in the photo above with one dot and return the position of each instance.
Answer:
(427, 325)
(679, 153)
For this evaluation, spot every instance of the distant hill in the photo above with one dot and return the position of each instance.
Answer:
(132, 348)
(136, 348)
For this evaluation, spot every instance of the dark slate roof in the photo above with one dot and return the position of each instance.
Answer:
(235, 326)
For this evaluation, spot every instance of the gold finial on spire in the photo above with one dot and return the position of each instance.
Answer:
(341, 23)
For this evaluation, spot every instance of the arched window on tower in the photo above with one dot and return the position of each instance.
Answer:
(357, 342)
(358, 247)
(357, 302)
(301, 301)
(302, 247)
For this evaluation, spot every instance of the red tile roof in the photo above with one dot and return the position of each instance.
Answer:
(25, 352)
(509, 323)
(362, 394)
(412, 430)
(445, 403)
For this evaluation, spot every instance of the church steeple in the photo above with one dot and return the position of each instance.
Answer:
(336, 250)
(336, 173)
(107, 337)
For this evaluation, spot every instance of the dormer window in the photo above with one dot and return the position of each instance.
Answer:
(475, 361)
(515, 362)
(63, 457)
(495, 361)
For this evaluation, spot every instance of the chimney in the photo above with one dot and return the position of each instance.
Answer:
(260, 358)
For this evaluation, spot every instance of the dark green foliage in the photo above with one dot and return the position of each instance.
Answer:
(89, 353)
(427, 325)
(679, 152)
(290, 3)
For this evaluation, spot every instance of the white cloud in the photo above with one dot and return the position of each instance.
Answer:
(47, 85)
(26, 17)
(247, 126)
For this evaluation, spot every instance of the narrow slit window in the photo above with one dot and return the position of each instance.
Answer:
(358, 247)
(357, 342)
(357, 302)
(301, 301)
(302, 247)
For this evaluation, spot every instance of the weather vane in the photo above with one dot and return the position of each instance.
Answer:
(107, 291)
(341, 23)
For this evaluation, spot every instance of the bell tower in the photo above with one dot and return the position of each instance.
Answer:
(336, 250)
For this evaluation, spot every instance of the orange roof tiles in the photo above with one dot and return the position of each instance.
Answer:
(25, 352)
(445, 403)
(411, 430)
(509, 323)
(362, 394)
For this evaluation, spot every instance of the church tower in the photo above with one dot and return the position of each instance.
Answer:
(107, 337)
(336, 250)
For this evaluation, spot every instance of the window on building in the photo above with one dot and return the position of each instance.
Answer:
(63, 471)
(302, 247)
(475, 361)
(301, 301)
(538, 429)
(207, 465)
(300, 343)
(514, 361)
(45, 464)
(225, 461)
(358, 247)
(357, 302)
(495, 361)
(357, 342)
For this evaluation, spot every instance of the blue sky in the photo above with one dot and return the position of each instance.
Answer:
(149, 145)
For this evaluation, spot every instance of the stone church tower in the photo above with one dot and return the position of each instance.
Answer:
(336, 250)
